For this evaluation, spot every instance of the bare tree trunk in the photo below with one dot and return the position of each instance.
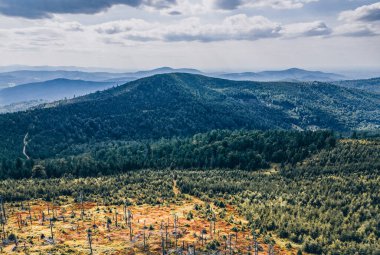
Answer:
(144, 241)
(51, 229)
(166, 236)
(256, 247)
(230, 245)
(82, 207)
(30, 213)
(89, 240)
(163, 244)
(2, 209)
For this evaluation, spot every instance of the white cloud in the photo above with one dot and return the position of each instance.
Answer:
(276, 4)
(316, 28)
(237, 27)
(357, 30)
(120, 26)
(365, 13)
(56, 33)
(363, 21)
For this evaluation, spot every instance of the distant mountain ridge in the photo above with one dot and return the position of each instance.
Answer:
(292, 74)
(14, 78)
(51, 90)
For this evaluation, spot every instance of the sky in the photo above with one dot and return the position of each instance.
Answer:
(211, 35)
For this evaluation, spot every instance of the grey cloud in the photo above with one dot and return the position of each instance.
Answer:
(308, 29)
(321, 29)
(228, 4)
(34, 9)
(175, 13)
(372, 15)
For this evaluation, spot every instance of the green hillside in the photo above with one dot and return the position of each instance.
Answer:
(181, 105)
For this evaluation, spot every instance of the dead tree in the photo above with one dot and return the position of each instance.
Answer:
(166, 235)
(116, 214)
(30, 213)
(213, 221)
(230, 239)
(144, 240)
(53, 207)
(108, 223)
(256, 244)
(2, 221)
(162, 244)
(89, 237)
(125, 208)
(81, 203)
(130, 217)
(2, 209)
(176, 231)
(19, 221)
(51, 230)
(43, 217)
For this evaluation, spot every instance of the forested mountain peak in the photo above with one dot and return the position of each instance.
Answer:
(181, 104)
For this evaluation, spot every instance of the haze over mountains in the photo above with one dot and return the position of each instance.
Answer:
(51, 90)
(22, 89)
(13, 78)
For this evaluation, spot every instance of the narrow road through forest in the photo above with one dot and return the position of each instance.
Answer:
(25, 144)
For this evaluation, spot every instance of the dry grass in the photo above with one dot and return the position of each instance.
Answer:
(70, 231)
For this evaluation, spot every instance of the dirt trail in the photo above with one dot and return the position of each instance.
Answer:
(25, 144)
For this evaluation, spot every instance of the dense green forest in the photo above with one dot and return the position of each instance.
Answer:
(183, 105)
(247, 150)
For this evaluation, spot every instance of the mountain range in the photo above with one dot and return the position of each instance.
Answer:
(182, 104)
(23, 89)
(13, 78)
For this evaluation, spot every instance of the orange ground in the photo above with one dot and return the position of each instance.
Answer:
(71, 234)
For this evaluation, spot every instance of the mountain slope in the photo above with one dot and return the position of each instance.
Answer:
(184, 104)
(52, 90)
(371, 85)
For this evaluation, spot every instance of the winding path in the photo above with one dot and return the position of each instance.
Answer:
(25, 144)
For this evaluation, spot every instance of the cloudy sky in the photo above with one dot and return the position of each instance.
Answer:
(204, 34)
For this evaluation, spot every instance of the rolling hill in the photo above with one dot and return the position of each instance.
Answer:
(371, 85)
(180, 104)
(52, 90)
